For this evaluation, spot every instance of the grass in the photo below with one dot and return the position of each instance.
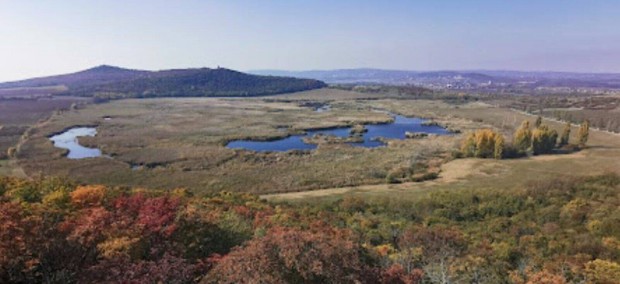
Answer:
(31, 92)
(18, 114)
(10, 168)
(180, 142)
(601, 157)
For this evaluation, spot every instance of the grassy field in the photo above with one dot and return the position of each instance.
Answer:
(17, 115)
(31, 92)
(600, 157)
(180, 143)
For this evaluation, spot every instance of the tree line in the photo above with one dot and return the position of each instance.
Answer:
(487, 143)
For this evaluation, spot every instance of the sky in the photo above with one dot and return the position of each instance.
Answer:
(39, 38)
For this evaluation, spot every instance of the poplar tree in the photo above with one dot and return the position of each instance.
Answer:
(484, 143)
(499, 147)
(564, 139)
(468, 146)
(584, 132)
(543, 140)
(538, 122)
(523, 137)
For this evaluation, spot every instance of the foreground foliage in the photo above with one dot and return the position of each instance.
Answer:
(561, 231)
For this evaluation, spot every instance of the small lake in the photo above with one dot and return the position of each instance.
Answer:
(69, 140)
(323, 108)
(395, 130)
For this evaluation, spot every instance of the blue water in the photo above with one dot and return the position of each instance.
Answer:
(323, 108)
(395, 130)
(68, 140)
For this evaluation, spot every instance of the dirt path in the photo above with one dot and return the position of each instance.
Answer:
(452, 171)
(463, 172)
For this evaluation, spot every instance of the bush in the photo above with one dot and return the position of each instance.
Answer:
(399, 174)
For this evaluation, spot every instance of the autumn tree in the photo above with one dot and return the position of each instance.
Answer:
(543, 140)
(483, 143)
(16, 255)
(440, 247)
(468, 145)
(538, 122)
(396, 274)
(287, 255)
(523, 137)
(11, 152)
(87, 196)
(564, 139)
(499, 147)
(584, 132)
(603, 271)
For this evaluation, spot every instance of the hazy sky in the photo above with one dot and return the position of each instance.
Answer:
(50, 37)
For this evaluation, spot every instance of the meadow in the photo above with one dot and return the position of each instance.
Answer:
(169, 143)
(20, 109)
(179, 142)
(599, 157)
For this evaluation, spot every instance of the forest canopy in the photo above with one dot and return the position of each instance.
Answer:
(559, 231)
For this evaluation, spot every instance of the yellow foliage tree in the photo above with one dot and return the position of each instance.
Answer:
(543, 140)
(499, 147)
(564, 139)
(538, 122)
(468, 146)
(119, 247)
(483, 143)
(88, 195)
(523, 137)
(602, 271)
(584, 132)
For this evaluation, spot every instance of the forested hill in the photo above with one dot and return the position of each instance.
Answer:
(114, 82)
(95, 76)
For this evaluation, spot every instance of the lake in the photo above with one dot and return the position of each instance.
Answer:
(69, 140)
(394, 130)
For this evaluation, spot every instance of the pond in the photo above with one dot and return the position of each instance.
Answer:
(394, 130)
(323, 108)
(69, 140)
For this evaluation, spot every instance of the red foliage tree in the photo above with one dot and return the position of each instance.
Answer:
(287, 255)
(396, 274)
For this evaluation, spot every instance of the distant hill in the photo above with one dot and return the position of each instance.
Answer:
(366, 75)
(95, 76)
(473, 79)
(114, 82)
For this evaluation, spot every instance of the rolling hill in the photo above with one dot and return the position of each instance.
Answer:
(114, 82)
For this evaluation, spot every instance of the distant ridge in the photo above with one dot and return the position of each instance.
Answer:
(97, 75)
(116, 82)
(448, 78)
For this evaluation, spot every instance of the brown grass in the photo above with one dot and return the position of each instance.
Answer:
(180, 142)
(600, 157)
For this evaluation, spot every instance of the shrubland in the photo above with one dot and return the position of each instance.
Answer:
(554, 231)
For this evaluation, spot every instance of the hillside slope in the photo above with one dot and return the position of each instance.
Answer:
(198, 83)
(94, 76)
(114, 82)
